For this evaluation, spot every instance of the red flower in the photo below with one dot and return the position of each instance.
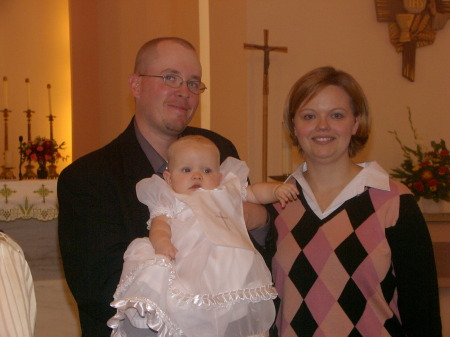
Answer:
(426, 175)
(432, 182)
(424, 164)
(42, 150)
(418, 186)
(442, 170)
(444, 153)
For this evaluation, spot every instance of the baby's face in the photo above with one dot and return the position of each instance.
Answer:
(192, 167)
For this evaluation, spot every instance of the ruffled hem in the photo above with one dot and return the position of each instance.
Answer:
(213, 301)
(202, 301)
(126, 281)
(156, 319)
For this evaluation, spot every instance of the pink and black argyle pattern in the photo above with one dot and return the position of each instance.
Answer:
(335, 275)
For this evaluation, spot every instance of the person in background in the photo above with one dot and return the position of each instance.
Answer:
(198, 274)
(354, 255)
(99, 213)
(17, 296)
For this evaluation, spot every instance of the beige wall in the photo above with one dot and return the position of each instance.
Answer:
(105, 35)
(34, 44)
(345, 34)
(229, 92)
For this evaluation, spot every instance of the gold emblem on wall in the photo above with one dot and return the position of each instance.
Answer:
(412, 24)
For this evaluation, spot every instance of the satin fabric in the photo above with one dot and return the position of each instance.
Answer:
(17, 297)
(217, 286)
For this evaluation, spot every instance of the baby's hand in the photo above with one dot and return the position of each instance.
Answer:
(166, 248)
(286, 192)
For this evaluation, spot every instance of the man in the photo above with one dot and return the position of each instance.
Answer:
(99, 213)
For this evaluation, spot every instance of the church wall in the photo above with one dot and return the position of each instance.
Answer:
(229, 92)
(34, 44)
(89, 73)
(345, 35)
(104, 56)
(106, 34)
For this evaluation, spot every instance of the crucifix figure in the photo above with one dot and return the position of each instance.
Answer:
(266, 49)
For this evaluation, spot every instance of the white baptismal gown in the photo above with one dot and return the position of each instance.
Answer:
(218, 285)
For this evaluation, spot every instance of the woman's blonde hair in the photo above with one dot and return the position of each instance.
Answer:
(310, 84)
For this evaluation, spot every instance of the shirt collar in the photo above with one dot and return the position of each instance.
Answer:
(372, 175)
(158, 163)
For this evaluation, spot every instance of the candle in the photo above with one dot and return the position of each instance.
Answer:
(49, 99)
(8, 159)
(5, 90)
(27, 81)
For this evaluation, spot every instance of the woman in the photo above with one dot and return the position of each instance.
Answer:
(354, 255)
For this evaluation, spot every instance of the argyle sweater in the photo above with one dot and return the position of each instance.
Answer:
(367, 269)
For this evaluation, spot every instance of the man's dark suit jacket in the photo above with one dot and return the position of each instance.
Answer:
(99, 215)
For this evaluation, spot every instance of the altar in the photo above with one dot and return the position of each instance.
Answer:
(29, 214)
(28, 199)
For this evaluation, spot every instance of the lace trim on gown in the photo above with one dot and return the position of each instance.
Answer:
(158, 320)
(203, 301)
(168, 212)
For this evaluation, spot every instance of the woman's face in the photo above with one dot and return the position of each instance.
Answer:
(325, 124)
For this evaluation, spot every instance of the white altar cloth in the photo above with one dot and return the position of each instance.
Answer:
(28, 199)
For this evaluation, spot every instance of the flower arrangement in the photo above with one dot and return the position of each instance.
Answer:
(42, 150)
(426, 172)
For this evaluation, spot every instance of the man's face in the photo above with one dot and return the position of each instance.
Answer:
(160, 109)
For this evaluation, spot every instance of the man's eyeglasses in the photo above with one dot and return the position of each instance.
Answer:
(175, 81)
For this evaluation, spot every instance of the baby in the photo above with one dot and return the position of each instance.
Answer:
(199, 274)
(194, 162)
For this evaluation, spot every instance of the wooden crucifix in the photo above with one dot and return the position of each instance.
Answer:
(266, 49)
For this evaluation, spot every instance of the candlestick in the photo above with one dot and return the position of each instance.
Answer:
(27, 81)
(29, 112)
(5, 118)
(5, 91)
(8, 159)
(50, 117)
(22, 155)
(49, 99)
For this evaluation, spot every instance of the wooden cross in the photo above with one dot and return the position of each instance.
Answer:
(266, 49)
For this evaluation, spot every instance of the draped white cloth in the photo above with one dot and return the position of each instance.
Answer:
(17, 297)
(217, 286)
